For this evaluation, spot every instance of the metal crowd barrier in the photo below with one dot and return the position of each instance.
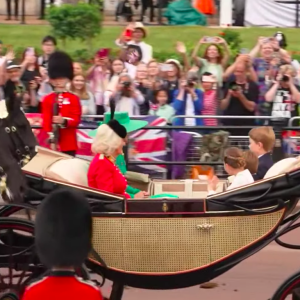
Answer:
(193, 157)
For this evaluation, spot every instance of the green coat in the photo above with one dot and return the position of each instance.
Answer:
(121, 164)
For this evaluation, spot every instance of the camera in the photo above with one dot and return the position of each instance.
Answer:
(285, 78)
(126, 84)
(190, 82)
(233, 86)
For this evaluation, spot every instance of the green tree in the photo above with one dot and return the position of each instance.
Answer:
(80, 21)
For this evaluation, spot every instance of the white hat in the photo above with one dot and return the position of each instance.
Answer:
(140, 25)
(174, 61)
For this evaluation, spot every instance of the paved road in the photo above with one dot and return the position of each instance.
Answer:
(255, 278)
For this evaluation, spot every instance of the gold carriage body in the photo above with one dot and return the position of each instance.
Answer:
(187, 241)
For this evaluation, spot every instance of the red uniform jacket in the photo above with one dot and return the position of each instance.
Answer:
(70, 109)
(59, 287)
(104, 175)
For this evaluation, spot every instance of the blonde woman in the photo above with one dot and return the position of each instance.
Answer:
(78, 86)
(153, 70)
(103, 174)
(284, 93)
(77, 67)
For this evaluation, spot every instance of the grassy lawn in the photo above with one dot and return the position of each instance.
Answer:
(161, 38)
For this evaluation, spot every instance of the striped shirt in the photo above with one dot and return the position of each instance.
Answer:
(210, 106)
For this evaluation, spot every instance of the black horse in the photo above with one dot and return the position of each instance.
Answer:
(17, 146)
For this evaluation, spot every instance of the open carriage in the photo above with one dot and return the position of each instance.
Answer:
(150, 243)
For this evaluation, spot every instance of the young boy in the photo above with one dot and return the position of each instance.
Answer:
(262, 141)
(63, 237)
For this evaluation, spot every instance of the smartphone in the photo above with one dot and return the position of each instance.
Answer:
(267, 40)
(166, 67)
(128, 33)
(102, 53)
(30, 51)
(209, 39)
(244, 51)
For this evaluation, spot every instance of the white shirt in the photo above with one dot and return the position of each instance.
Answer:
(129, 105)
(240, 179)
(131, 70)
(189, 111)
(147, 51)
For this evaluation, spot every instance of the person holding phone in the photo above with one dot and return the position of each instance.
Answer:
(31, 77)
(271, 56)
(127, 97)
(98, 76)
(240, 100)
(188, 100)
(138, 33)
(214, 60)
(242, 58)
(284, 94)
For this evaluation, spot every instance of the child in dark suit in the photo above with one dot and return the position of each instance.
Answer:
(262, 140)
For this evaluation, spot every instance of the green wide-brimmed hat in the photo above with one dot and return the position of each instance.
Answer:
(123, 119)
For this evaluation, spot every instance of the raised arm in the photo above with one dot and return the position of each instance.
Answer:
(181, 49)
(253, 53)
(195, 57)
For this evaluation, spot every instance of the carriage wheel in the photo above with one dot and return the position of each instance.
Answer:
(285, 291)
(9, 295)
(18, 263)
(17, 211)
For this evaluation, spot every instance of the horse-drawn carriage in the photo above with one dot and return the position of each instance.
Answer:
(162, 243)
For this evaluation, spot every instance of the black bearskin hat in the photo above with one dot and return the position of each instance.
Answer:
(63, 229)
(119, 129)
(60, 65)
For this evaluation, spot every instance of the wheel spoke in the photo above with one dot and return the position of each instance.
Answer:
(18, 256)
(11, 259)
(28, 214)
(22, 275)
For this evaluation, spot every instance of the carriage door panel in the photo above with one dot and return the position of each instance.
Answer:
(230, 234)
(165, 245)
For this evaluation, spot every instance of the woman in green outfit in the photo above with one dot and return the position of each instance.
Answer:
(130, 125)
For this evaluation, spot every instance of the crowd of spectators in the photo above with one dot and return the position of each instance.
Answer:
(263, 81)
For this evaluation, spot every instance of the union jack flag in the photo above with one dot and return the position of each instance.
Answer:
(149, 145)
